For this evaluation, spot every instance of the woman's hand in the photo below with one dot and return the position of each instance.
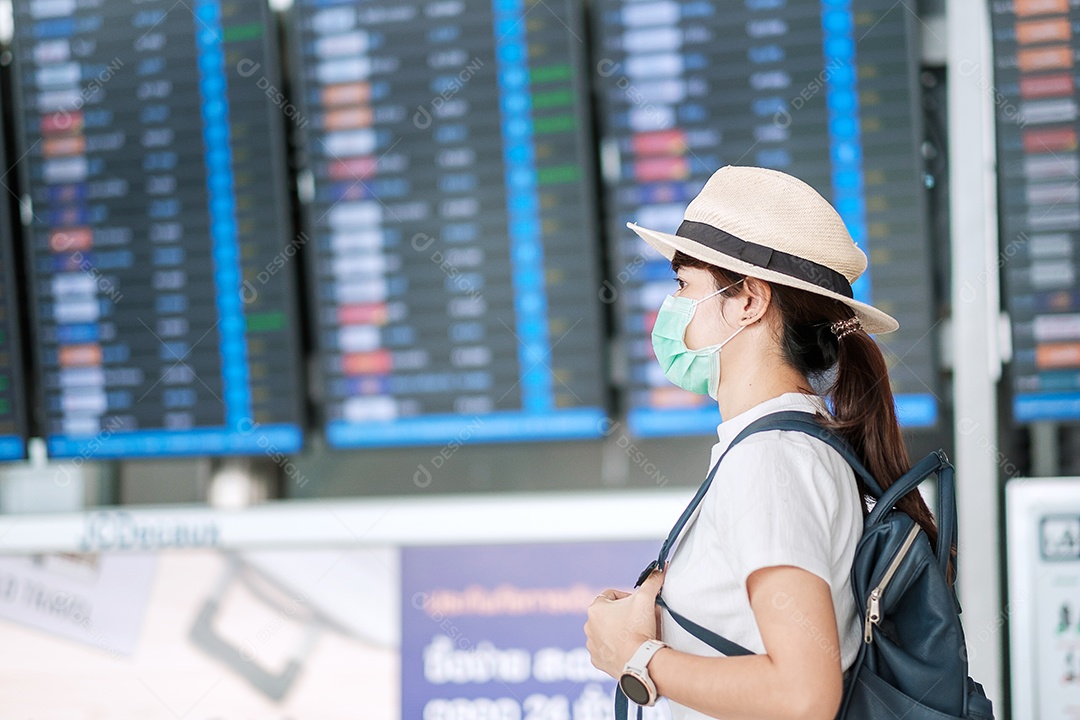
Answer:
(619, 622)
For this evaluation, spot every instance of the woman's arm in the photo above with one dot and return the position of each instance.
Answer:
(798, 677)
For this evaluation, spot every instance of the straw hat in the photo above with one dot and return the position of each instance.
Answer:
(769, 225)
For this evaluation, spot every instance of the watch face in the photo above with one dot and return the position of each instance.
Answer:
(635, 689)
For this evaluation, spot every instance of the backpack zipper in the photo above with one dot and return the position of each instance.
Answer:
(873, 603)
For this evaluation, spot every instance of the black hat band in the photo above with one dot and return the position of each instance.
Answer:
(766, 257)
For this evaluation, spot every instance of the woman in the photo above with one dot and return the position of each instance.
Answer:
(764, 267)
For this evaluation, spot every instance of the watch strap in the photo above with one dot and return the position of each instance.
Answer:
(639, 661)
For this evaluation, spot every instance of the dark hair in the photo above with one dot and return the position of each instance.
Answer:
(863, 409)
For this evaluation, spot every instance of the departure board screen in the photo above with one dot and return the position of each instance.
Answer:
(825, 91)
(1035, 98)
(158, 236)
(13, 400)
(452, 220)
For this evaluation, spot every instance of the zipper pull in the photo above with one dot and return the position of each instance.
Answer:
(873, 613)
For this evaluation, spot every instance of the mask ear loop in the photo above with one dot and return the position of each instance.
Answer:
(714, 367)
(698, 302)
(712, 349)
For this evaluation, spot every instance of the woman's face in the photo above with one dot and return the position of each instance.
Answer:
(708, 326)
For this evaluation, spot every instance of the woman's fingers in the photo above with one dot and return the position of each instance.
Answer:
(612, 594)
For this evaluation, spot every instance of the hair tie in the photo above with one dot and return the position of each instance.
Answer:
(843, 328)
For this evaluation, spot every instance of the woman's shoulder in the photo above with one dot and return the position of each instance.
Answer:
(785, 446)
(785, 460)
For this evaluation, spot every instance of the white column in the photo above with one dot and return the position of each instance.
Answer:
(975, 335)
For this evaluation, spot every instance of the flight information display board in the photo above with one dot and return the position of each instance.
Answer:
(451, 213)
(825, 91)
(152, 159)
(13, 400)
(1035, 97)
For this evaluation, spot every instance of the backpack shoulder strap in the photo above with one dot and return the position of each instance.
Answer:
(704, 634)
(769, 422)
(794, 421)
(935, 463)
(810, 424)
(788, 420)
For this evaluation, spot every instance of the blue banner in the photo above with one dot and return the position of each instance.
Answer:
(496, 632)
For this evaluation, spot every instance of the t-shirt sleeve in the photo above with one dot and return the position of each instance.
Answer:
(774, 502)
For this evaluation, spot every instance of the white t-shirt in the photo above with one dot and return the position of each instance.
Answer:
(779, 498)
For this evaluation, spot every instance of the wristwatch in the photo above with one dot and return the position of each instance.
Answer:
(635, 681)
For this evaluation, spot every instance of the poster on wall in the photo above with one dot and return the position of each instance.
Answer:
(1043, 539)
(293, 610)
(496, 631)
(200, 634)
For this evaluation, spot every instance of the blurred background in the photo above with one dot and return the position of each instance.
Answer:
(325, 377)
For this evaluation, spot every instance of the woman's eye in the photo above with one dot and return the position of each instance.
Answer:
(680, 282)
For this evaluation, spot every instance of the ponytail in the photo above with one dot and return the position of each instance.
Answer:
(864, 414)
(864, 411)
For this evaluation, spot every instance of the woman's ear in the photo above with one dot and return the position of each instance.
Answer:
(753, 301)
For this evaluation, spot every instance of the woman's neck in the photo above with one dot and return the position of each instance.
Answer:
(750, 379)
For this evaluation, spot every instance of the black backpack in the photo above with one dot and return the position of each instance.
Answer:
(913, 660)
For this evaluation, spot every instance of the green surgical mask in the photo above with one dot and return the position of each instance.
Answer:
(695, 370)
